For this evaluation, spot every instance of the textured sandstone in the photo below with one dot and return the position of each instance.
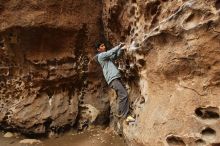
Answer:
(45, 47)
(171, 68)
(174, 46)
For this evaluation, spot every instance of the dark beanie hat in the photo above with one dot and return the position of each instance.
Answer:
(97, 44)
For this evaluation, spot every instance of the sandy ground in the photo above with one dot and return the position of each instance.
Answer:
(93, 137)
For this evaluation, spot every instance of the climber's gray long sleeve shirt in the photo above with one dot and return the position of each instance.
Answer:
(105, 59)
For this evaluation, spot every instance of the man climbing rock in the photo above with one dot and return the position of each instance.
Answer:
(113, 77)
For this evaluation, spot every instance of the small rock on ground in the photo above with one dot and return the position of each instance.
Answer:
(30, 141)
(8, 134)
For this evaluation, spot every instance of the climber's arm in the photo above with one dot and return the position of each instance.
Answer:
(111, 54)
(116, 54)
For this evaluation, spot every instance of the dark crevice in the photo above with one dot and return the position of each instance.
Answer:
(190, 18)
(175, 140)
(27, 133)
(47, 124)
(208, 132)
(207, 113)
(142, 62)
(1, 8)
(114, 23)
(142, 100)
(217, 4)
(151, 9)
(50, 92)
(155, 7)
(132, 11)
(81, 40)
(134, 1)
(1, 42)
(102, 37)
(200, 142)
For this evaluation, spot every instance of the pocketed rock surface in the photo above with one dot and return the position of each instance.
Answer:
(45, 48)
(174, 51)
(171, 68)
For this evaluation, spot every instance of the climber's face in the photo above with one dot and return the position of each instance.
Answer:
(102, 48)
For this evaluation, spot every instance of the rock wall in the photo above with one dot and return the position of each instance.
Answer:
(173, 50)
(45, 48)
(48, 79)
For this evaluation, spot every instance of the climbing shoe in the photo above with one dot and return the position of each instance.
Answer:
(130, 119)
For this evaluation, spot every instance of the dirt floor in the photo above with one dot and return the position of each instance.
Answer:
(93, 137)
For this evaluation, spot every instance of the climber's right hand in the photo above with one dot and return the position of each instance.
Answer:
(121, 44)
(124, 48)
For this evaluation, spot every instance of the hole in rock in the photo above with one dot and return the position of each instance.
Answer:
(217, 4)
(132, 31)
(137, 14)
(146, 27)
(132, 11)
(207, 113)
(151, 8)
(154, 23)
(208, 131)
(10, 34)
(154, 8)
(50, 93)
(81, 98)
(142, 62)
(1, 42)
(190, 18)
(1, 8)
(208, 134)
(47, 123)
(142, 100)
(175, 141)
(200, 142)
(215, 144)
(128, 30)
(157, 29)
(134, 1)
